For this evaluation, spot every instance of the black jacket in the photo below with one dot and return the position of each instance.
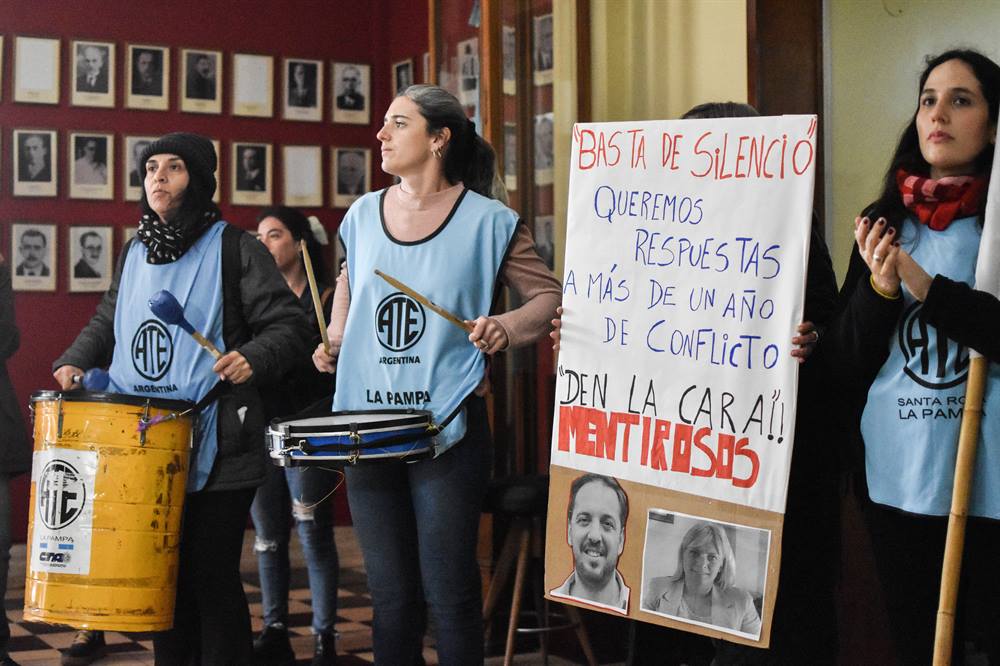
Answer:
(261, 319)
(15, 456)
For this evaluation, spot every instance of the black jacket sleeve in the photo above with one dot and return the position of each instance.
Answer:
(281, 332)
(966, 315)
(95, 345)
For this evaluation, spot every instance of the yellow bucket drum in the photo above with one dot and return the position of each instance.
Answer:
(105, 510)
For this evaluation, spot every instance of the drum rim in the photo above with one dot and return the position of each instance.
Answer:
(417, 417)
(80, 395)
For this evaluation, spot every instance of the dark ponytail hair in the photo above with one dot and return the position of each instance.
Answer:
(298, 226)
(468, 159)
(908, 156)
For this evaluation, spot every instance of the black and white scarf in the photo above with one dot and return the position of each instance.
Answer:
(168, 241)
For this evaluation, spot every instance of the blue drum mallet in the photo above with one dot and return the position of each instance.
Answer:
(165, 306)
(95, 379)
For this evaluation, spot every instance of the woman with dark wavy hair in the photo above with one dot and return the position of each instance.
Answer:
(899, 345)
(440, 231)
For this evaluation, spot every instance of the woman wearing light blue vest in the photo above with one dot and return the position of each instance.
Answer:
(440, 232)
(232, 292)
(899, 344)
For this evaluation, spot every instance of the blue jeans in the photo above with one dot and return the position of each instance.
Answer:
(4, 558)
(418, 526)
(305, 495)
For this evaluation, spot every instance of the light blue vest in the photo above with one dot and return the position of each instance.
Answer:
(913, 415)
(157, 360)
(396, 353)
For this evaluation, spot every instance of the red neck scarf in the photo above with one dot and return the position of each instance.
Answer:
(938, 202)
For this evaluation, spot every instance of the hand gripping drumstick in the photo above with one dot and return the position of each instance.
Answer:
(165, 306)
(317, 303)
(426, 302)
(95, 379)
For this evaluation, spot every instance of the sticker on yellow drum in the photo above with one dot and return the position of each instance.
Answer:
(64, 510)
(105, 510)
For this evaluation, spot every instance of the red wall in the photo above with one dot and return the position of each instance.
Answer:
(377, 32)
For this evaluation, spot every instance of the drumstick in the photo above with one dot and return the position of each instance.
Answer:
(426, 302)
(165, 306)
(317, 303)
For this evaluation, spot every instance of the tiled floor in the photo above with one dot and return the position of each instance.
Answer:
(36, 643)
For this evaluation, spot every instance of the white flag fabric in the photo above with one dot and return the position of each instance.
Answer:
(988, 264)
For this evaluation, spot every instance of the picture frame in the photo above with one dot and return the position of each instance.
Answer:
(350, 174)
(542, 55)
(402, 76)
(302, 89)
(468, 71)
(302, 174)
(543, 136)
(133, 173)
(91, 160)
(253, 85)
(128, 233)
(217, 197)
(201, 81)
(33, 256)
(35, 171)
(89, 253)
(36, 70)
(351, 96)
(92, 71)
(510, 156)
(251, 182)
(147, 77)
(509, 53)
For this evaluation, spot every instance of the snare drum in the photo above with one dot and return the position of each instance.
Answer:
(352, 436)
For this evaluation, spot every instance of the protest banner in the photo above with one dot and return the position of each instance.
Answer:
(685, 268)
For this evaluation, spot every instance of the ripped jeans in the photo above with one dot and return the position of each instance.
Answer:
(305, 495)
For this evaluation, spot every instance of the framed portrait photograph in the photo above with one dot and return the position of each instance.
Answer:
(510, 156)
(33, 256)
(148, 77)
(541, 49)
(35, 172)
(683, 555)
(251, 174)
(91, 165)
(93, 74)
(253, 85)
(350, 169)
(201, 81)
(302, 172)
(36, 70)
(134, 173)
(468, 71)
(128, 233)
(509, 46)
(351, 93)
(402, 76)
(302, 89)
(88, 254)
(543, 148)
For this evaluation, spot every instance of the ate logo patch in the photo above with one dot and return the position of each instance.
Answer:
(61, 494)
(399, 322)
(932, 359)
(152, 349)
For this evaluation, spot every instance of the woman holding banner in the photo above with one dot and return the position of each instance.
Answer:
(440, 231)
(899, 345)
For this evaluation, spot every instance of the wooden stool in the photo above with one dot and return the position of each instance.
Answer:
(523, 500)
